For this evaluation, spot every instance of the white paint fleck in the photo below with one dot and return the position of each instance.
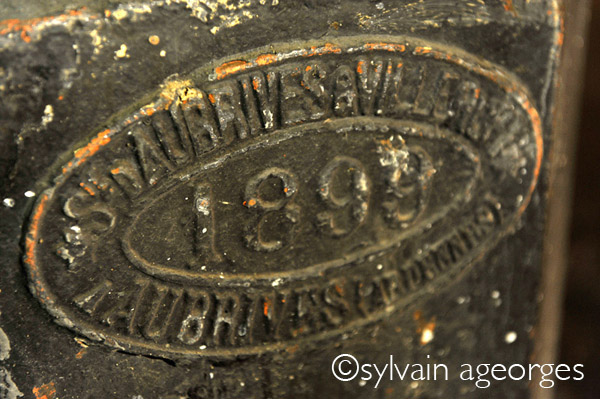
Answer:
(122, 52)
(29, 194)
(202, 347)
(48, 115)
(276, 282)
(495, 294)
(8, 202)
(426, 336)
(120, 14)
(97, 41)
(379, 267)
(414, 385)
(204, 230)
(203, 205)
(510, 337)
(163, 53)
(362, 383)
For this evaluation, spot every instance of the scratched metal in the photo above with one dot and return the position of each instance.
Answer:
(221, 209)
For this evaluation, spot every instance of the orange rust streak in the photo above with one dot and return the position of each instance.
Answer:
(30, 242)
(510, 7)
(422, 50)
(97, 142)
(26, 25)
(231, 67)
(359, 67)
(211, 98)
(266, 59)
(266, 307)
(537, 128)
(87, 189)
(386, 46)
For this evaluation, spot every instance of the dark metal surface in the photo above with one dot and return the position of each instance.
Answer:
(215, 199)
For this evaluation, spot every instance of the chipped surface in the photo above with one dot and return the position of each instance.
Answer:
(8, 389)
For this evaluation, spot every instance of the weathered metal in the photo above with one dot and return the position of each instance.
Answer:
(218, 198)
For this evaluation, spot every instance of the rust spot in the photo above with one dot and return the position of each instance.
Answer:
(154, 40)
(252, 202)
(266, 59)
(25, 26)
(87, 189)
(266, 306)
(400, 48)
(231, 67)
(328, 48)
(31, 240)
(80, 354)
(417, 315)
(359, 67)
(510, 7)
(97, 142)
(211, 98)
(46, 391)
(149, 111)
(422, 50)
(255, 84)
(292, 349)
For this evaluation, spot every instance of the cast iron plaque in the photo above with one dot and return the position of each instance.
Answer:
(272, 199)
(216, 199)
